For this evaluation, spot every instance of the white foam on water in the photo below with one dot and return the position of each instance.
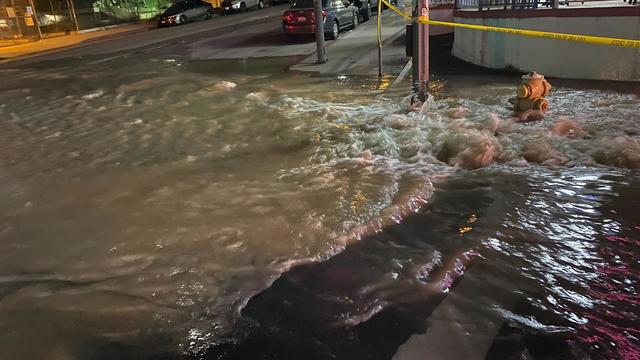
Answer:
(179, 181)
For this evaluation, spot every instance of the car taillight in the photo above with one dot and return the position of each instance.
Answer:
(288, 18)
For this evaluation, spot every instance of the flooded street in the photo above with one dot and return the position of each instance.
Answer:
(145, 200)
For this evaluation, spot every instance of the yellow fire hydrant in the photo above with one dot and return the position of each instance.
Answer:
(530, 94)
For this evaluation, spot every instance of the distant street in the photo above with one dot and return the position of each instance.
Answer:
(256, 33)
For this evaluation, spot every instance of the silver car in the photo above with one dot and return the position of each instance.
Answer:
(185, 11)
(229, 6)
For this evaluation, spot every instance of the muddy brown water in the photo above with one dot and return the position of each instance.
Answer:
(146, 205)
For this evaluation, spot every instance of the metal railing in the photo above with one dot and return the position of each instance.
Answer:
(525, 4)
(434, 3)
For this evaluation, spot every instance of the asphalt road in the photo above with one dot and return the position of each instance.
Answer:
(256, 33)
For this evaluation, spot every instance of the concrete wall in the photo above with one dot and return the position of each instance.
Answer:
(554, 58)
(440, 13)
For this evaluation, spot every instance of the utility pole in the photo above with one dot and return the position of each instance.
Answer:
(420, 56)
(34, 14)
(415, 74)
(72, 10)
(15, 17)
(317, 10)
(379, 34)
(423, 56)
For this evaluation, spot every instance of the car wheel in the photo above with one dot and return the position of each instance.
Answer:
(355, 19)
(243, 7)
(183, 19)
(334, 31)
(260, 4)
(366, 12)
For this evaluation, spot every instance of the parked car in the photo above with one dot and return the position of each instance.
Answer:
(229, 6)
(185, 11)
(366, 7)
(336, 15)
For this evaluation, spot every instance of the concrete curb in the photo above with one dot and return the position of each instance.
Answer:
(403, 74)
(100, 28)
(112, 36)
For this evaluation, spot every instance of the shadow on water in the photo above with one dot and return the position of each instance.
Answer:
(368, 300)
(371, 300)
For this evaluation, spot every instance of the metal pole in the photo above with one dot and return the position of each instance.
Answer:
(35, 18)
(72, 10)
(415, 74)
(423, 56)
(15, 14)
(55, 17)
(379, 38)
(317, 10)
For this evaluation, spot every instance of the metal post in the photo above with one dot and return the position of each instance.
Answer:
(55, 16)
(423, 56)
(379, 38)
(317, 9)
(15, 18)
(414, 46)
(35, 18)
(72, 11)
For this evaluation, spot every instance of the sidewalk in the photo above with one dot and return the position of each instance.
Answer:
(357, 52)
(33, 47)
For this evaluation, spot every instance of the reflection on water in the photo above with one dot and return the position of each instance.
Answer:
(143, 204)
(538, 272)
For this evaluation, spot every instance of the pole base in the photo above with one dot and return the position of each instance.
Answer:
(418, 98)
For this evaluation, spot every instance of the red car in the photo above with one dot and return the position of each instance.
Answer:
(336, 15)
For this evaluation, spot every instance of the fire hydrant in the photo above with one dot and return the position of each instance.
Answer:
(531, 93)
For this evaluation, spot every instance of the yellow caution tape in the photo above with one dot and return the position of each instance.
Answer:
(541, 34)
(396, 10)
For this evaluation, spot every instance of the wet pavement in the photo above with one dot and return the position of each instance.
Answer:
(153, 205)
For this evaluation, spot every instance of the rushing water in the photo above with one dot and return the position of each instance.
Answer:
(144, 201)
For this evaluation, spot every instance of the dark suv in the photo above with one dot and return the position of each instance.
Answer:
(336, 15)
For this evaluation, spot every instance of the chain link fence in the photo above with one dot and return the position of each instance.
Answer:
(33, 19)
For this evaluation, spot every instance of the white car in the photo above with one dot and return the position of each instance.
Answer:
(185, 11)
(229, 6)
